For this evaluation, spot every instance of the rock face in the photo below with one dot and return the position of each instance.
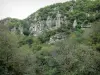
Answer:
(49, 22)
(71, 9)
(20, 30)
(57, 37)
(13, 30)
(75, 24)
(39, 25)
(58, 20)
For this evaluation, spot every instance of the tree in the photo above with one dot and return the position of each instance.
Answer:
(76, 59)
(95, 36)
(7, 49)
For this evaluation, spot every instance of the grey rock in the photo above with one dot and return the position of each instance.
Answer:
(74, 23)
(57, 37)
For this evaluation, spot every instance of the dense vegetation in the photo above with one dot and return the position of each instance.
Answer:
(78, 54)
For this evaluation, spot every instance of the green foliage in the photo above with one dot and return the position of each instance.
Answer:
(8, 47)
(95, 36)
(79, 54)
(26, 32)
(77, 59)
(64, 29)
(14, 23)
(46, 36)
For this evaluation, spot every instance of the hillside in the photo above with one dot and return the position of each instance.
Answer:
(60, 39)
(61, 18)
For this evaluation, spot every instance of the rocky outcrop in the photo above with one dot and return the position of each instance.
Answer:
(14, 30)
(38, 25)
(20, 28)
(74, 23)
(57, 37)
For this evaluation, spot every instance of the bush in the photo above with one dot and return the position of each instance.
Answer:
(77, 59)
